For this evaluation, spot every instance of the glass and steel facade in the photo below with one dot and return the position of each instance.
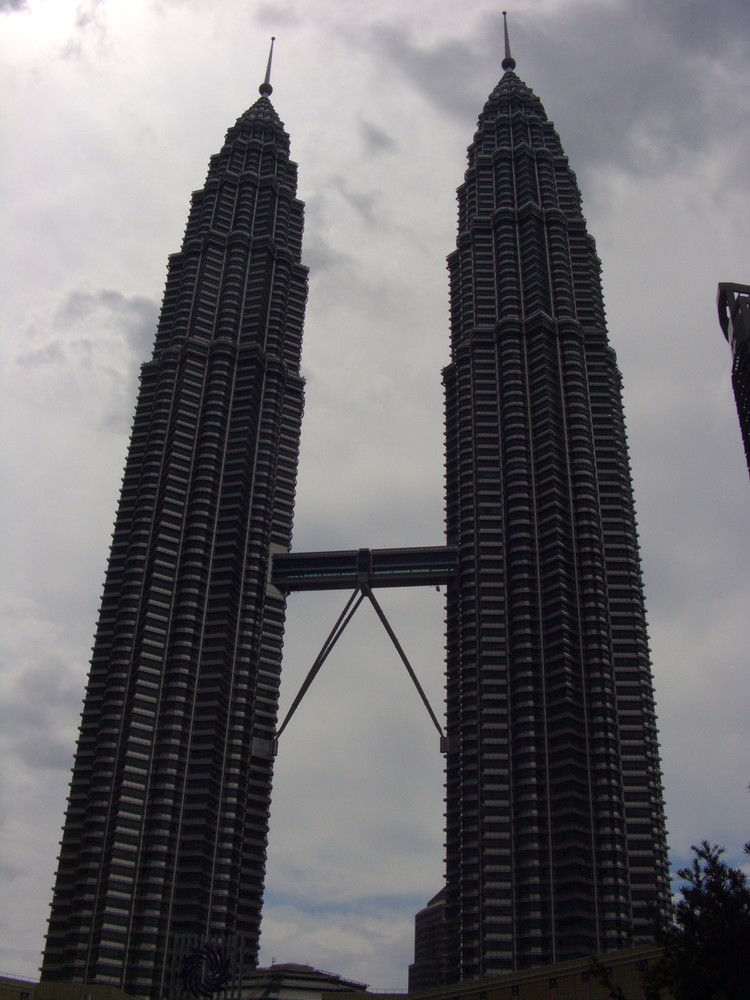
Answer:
(555, 837)
(165, 834)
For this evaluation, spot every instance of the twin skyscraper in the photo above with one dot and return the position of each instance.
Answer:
(555, 839)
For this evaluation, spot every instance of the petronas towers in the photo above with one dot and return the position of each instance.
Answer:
(555, 841)
(555, 829)
(164, 844)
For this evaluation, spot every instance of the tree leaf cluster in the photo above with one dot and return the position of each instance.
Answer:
(706, 946)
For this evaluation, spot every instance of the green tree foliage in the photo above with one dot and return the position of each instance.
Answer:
(707, 945)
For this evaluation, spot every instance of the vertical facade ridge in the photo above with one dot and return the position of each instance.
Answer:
(163, 850)
(555, 841)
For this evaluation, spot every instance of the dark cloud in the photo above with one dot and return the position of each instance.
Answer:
(8, 6)
(375, 139)
(94, 344)
(439, 72)
(322, 257)
(655, 100)
(720, 29)
(362, 202)
(274, 15)
(41, 690)
(330, 249)
(50, 354)
(37, 712)
(134, 316)
(44, 751)
(657, 78)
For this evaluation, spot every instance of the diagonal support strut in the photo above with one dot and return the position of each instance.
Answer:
(333, 637)
(392, 635)
(362, 590)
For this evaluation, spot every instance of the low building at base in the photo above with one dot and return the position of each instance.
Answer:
(597, 977)
(12, 988)
(292, 981)
(280, 981)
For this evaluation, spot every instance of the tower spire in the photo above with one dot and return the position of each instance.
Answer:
(508, 62)
(265, 88)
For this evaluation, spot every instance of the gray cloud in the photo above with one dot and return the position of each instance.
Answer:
(135, 315)
(374, 936)
(437, 71)
(653, 98)
(42, 357)
(650, 104)
(274, 15)
(42, 697)
(375, 139)
(362, 202)
(132, 317)
(79, 338)
(320, 256)
(89, 28)
(42, 751)
(719, 30)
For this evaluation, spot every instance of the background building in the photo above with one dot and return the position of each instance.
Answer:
(163, 852)
(733, 302)
(555, 828)
(428, 968)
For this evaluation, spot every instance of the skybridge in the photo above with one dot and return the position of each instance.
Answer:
(361, 571)
(344, 570)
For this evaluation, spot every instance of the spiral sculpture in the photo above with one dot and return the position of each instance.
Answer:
(205, 971)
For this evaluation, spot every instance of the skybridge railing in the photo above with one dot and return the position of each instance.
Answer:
(343, 570)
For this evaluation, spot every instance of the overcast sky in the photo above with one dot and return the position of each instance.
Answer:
(111, 109)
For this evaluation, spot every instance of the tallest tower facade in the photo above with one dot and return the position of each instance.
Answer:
(555, 839)
(163, 851)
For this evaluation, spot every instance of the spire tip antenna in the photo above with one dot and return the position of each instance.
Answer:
(508, 62)
(265, 88)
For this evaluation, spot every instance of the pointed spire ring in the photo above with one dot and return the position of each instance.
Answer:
(509, 62)
(265, 88)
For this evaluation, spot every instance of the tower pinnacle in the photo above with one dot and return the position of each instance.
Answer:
(265, 88)
(508, 62)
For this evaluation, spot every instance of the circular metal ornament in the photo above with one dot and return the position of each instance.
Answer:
(205, 971)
